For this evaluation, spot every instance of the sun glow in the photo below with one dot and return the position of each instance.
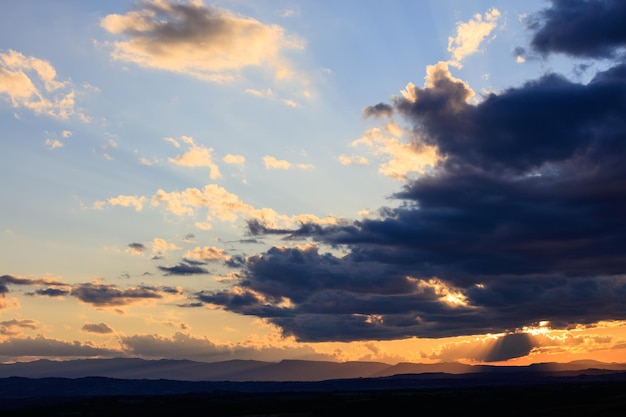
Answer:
(542, 328)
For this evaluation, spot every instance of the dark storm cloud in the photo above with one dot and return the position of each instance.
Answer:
(184, 268)
(522, 221)
(588, 28)
(109, 295)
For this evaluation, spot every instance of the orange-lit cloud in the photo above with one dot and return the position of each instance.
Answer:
(224, 206)
(127, 201)
(274, 163)
(197, 40)
(400, 159)
(207, 253)
(32, 83)
(234, 159)
(197, 156)
(97, 328)
(471, 34)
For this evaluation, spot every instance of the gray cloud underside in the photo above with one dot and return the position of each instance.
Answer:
(41, 346)
(100, 328)
(6, 280)
(185, 268)
(185, 346)
(96, 294)
(109, 295)
(524, 217)
(140, 247)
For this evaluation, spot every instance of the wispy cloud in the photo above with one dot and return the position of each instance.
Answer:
(271, 162)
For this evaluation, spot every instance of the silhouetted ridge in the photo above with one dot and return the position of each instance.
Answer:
(286, 370)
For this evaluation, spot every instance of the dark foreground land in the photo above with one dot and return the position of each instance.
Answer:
(557, 398)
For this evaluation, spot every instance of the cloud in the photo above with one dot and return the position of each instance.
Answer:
(5, 280)
(539, 340)
(136, 248)
(519, 221)
(585, 28)
(185, 346)
(487, 349)
(226, 207)
(380, 110)
(128, 201)
(11, 327)
(273, 163)
(172, 141)
(200, 41)
(207, 253)
(259, 93)
(197, 156)
(53, 143)
(290, 103)
(106, 148)
(53, 292)
(400, 159)
(353, 160)
(103, 295)
(159, 245)
(31, 83)
(99, 328)
(40, 346)
(234, 159)
(471, 34)
(184, 268)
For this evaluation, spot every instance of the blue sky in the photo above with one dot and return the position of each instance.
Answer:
(169, 166)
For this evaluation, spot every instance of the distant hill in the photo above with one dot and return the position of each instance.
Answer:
(286, 370)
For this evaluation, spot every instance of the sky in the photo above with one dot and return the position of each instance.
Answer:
(413, 181)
